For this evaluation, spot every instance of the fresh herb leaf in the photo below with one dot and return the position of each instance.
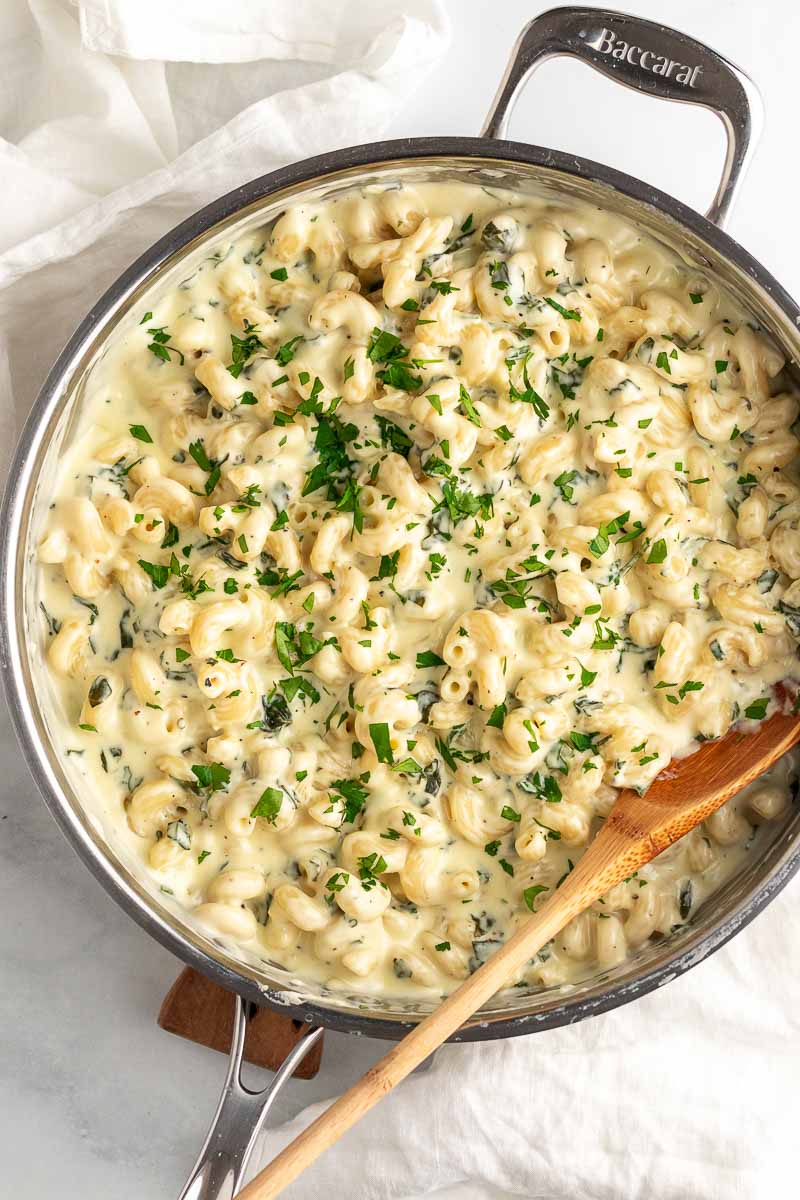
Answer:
(658, 553)
(354, 795)
(285, 353)
(393, 436)
(159, 574)
(569, 314)
(530, 893)
(428, 658)
(212, 776)
(381, 740)
(268, 804)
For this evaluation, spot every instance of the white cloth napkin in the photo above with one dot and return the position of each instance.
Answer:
(689, 1094)
(117, 119)
(104, 146)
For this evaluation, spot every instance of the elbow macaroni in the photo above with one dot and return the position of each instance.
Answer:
(421, 522)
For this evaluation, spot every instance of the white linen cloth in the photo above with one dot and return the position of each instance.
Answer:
(690, 1093)
(104, 146)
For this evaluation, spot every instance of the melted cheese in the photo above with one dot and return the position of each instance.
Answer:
(395, 540)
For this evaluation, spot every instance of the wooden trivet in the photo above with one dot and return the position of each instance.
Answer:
(202, 1011)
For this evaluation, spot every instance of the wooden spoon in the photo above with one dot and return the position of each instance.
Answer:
(636, 830)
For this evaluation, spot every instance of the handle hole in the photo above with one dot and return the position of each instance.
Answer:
(678, 147)
(254, 1078)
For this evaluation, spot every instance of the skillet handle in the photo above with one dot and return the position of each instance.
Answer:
(649, 58)
(239, 1119)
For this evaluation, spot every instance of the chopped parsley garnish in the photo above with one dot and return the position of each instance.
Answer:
(354, 795)
(408, 766)
(160, 346)
(369, 868)
(530, 893)
(334, 469)
(286, 352)
(658, 552)
(498, 717)
(545, 787)
(198, 453)
(393, 437)
(461, 503)
(294, 647)
(212, 776)
(158, 572)
(569, 314)
(243, 349)
(381, 740)
(529, 395)
(428, 658)
(564, 484)
(268, 804)
(465, 401)
(397, 375)
(599, 544)
(171, 536)
(386, 347)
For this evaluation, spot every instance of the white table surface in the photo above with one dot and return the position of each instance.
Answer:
(98, 1101)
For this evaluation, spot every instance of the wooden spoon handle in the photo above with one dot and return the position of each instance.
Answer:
(636, 830)
(607, 861)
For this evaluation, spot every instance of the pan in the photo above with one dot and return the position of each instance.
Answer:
(639, 54)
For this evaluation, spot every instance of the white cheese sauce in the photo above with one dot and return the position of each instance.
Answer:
(393, 542)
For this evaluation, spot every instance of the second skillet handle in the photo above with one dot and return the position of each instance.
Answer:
(239, 1119)
(650, 58)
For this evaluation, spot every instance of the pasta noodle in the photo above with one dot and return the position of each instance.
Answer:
(394, 541)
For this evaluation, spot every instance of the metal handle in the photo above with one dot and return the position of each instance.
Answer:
(239, 1119)
(650, 58)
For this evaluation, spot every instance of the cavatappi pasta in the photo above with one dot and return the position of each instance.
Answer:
(396, 539)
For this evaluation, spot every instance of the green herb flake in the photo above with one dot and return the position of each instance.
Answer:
(569, 314)
(428, 658)
(658, 553)
(530, 894)
(268, 804)
(381, 740)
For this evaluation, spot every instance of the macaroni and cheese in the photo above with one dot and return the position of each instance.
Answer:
(396, 540)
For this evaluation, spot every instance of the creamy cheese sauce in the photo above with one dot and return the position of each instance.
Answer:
(392, 543)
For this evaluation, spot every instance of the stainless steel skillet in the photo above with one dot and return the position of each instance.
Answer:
(637, 53)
